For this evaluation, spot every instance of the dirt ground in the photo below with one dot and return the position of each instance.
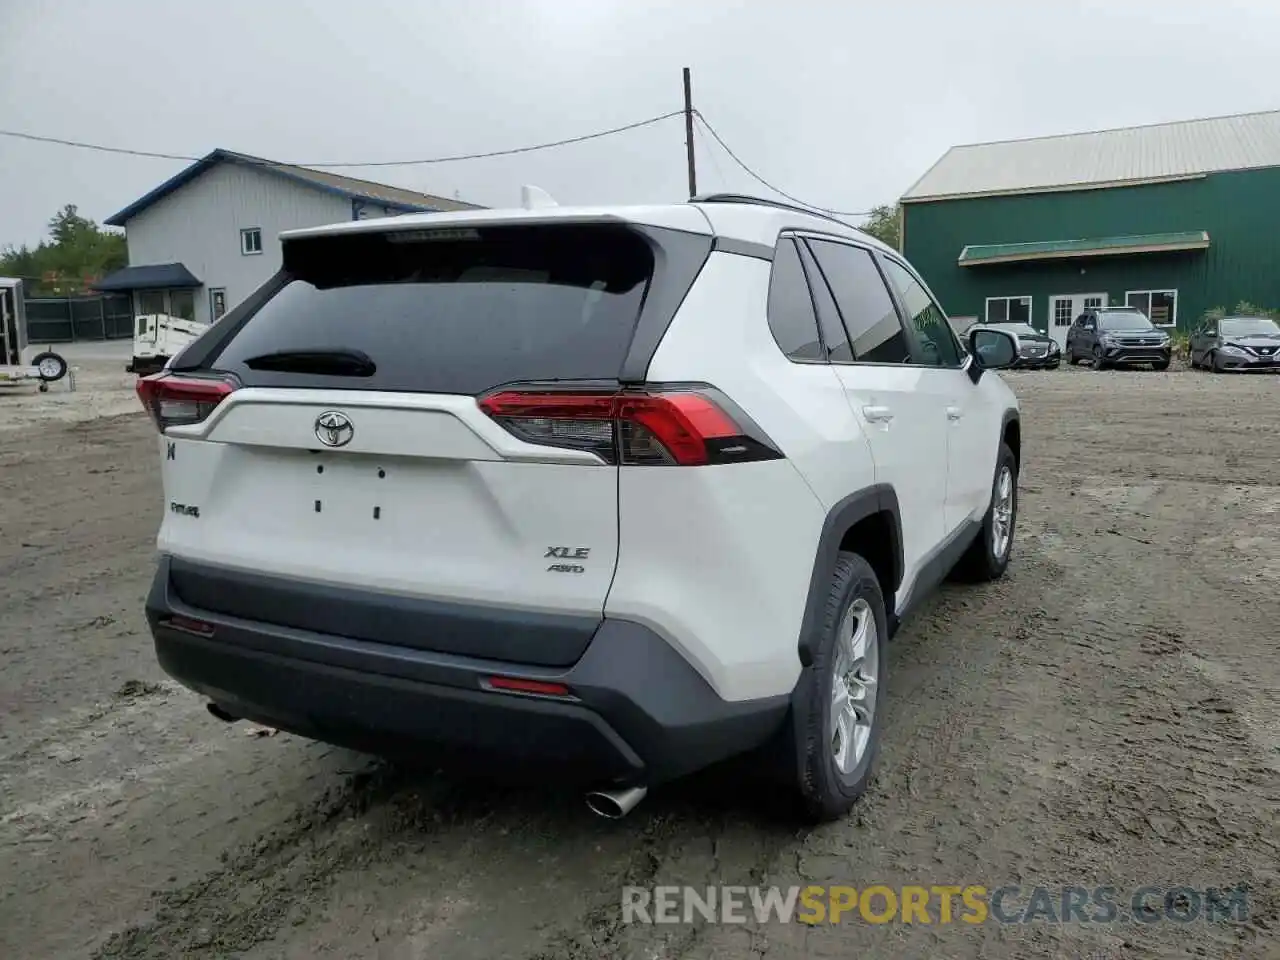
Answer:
(1107, 715)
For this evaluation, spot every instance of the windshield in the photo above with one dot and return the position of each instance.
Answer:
(1124, 320)
(1019, 329)
(1249, 327)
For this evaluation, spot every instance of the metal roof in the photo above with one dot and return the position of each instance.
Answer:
(1162, 151)
(150, 276)
(408, 201)
(977, 254)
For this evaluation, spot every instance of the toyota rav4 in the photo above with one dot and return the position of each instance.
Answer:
(617, 493)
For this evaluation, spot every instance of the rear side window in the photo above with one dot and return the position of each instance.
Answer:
(791, 317)
(449, 310)
(864, 302)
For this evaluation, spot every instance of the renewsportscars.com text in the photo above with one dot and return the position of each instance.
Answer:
(934, 904)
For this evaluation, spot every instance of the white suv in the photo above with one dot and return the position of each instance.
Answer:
(616, 493)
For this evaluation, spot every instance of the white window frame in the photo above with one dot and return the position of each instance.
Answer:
(1147, 312)
(245, 246)
(986, 309)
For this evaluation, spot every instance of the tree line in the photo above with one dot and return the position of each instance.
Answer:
(76, 254)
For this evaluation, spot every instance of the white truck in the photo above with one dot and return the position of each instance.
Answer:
(159, 336)
(45, 367)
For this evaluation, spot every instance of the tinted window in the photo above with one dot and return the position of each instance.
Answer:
(928, 324)
(791, 316)
(453, 311)
(834, 335)
(864, 302)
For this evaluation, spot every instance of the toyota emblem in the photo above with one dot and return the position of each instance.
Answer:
(334, 429)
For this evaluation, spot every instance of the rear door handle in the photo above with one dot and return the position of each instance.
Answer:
(954, 413)
(877, 414)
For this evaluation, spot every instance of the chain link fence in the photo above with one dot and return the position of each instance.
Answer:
(66, 319)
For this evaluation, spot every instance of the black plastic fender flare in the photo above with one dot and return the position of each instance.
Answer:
(867, 502)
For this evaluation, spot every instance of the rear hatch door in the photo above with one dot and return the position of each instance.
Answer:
(351, 483)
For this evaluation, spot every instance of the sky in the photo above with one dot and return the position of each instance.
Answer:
(842, 103)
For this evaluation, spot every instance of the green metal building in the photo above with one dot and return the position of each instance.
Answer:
(1174, 218)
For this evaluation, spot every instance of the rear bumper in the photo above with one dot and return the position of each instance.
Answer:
(640, 714)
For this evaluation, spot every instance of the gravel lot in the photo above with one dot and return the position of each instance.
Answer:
(1107, 715)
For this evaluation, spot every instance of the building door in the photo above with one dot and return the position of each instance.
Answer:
(1064, 309)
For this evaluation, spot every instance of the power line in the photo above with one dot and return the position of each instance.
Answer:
(101, 148)
(93, 146)
(782, 193)
(511, 151)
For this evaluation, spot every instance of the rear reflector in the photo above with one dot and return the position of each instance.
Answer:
(187, 625)
(656, 426)
(541, 688)
(175, 401)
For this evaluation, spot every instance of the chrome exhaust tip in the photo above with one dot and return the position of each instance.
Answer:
(221, 714)
(615, 804)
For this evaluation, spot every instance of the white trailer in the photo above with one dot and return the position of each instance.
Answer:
(158, 337)
(45, 367)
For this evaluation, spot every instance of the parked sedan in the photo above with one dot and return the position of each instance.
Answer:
(1036, 351)
(1236, 343)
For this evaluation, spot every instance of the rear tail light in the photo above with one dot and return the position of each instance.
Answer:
(655, 426)
(174, 401)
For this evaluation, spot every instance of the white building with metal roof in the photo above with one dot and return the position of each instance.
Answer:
(205, 239)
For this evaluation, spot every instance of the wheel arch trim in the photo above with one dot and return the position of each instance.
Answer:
(880, 498)
(1012, 416)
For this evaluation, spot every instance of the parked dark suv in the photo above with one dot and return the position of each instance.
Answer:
(1117, 336)
(1236, 343)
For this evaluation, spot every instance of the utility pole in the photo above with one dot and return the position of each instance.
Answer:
(688, 134)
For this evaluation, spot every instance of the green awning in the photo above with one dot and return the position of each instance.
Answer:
(980, 254)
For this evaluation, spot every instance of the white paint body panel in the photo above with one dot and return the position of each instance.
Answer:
(909, 448)
(718, 559)
(465, 510)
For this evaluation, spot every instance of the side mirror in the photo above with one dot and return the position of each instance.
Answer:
(991, 350)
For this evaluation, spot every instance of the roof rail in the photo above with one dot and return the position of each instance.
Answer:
(761, 201)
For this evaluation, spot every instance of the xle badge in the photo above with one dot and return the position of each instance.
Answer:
(567, 553)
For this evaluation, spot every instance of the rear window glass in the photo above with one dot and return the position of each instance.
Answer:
(445, 310)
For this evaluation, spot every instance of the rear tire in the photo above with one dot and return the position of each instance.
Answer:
(836, 752)
(988, 556)
(1072, 358)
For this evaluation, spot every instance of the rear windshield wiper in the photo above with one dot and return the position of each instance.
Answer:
(325, 363)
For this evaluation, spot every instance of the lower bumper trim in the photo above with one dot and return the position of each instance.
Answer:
(641, 713)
